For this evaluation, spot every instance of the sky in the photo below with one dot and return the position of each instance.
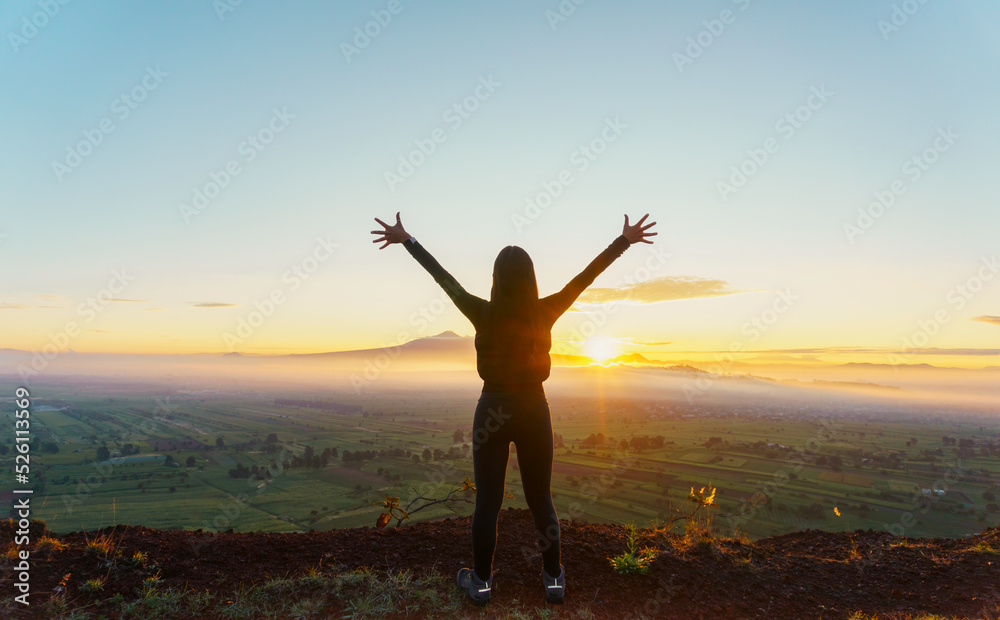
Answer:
(199, 177)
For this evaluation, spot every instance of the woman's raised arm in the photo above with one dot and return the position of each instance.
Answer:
(558, 303)
(470, 305)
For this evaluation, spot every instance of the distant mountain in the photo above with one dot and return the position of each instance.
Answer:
(630, 358)
(446, 349)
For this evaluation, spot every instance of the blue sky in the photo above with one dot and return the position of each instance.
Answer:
(346, 123)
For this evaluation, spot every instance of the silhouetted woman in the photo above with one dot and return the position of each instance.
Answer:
(513, 338)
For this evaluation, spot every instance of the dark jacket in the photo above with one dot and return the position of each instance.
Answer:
(496, 366)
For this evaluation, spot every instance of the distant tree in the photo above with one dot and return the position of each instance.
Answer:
(416, 459)
(219, 443)
(835, 462)
(271, 438)
(190, 462)
(173, 489)
(458, 436)
(169, 460)
(103, 453)
(428, 455)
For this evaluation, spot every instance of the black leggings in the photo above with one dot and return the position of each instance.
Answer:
(502, 418)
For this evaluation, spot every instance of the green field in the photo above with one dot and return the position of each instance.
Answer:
(886, 472)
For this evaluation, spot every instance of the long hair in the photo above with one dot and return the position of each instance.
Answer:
(514, 316)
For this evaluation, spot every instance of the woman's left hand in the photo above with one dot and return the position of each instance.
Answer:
(637, 232)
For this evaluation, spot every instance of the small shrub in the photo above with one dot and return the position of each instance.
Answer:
(47, 545)
(635, 560)
(98, 548)
(92, 585)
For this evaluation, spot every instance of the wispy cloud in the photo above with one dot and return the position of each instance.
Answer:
(134, 301)
(987, 318)
(667, 288)
(14, 306)
(211, 304)
(880, 351)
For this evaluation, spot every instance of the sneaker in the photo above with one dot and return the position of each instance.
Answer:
(555, 587)
(479, 590)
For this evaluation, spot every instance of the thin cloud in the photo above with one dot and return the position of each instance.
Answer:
(987, 318)
(875, 351)
(134, 301)
(667, 288)
(99, 331)
(14, 306)
(211, 304)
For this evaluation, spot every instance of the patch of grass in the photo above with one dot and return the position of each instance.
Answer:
(92, 586)
(635, 561)
(47, 545)
(982, 547)
(899, 616)
(99, 547)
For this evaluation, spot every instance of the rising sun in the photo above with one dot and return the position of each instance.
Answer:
(601, 350)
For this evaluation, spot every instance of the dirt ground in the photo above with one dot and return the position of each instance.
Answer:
(809, 574)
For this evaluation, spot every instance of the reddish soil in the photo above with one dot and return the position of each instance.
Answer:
(809, 574)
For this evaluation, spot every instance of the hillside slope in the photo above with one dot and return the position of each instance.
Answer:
(810, 574)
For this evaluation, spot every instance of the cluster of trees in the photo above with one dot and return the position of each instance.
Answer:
(368, 455)
(309, 458)
(242, 471)
(323, 405)
(438, 454)
(104, 453)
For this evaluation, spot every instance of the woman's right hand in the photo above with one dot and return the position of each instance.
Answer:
(637, 232)
(392, 234)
